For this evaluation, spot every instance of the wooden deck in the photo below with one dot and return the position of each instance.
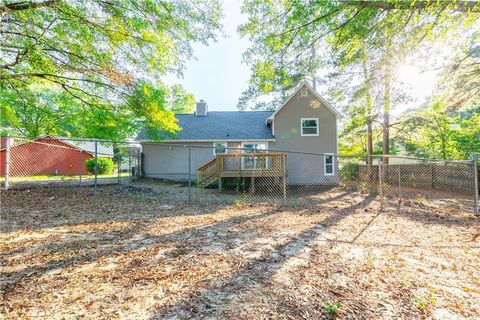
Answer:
(244, 165)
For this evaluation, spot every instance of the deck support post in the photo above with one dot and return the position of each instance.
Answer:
(219, 183)
(252, 184)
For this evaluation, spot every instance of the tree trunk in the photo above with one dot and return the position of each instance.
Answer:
(386, 99)
(386, 118)
(369, 118)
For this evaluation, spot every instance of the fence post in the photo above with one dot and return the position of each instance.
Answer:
(95, 170)
(475, 187)
(189, 174)
(284, 178)
(7, 162)
(130, 165)
(138, 172)
(119, 164)
(380, 187)
(80, 167)
(399, 186)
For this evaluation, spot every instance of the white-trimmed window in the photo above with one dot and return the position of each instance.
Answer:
(220, 148)
(309, 127)
(328, 164)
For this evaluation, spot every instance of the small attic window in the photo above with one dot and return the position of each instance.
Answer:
(304, 92)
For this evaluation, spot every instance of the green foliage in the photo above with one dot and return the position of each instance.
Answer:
(36, 111)
(149, 102)
(359, 46)
(368, 188)
(284, 33)
(436, 133)
(349, 171)
(80, 67)
(104, 165)
(181, 101)
(237, 203)
(461, 79)
(424, 302)
(332, 308)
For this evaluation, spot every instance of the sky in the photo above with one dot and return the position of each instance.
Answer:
(218, 75)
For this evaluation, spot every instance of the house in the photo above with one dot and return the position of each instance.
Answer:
(304, 126)
(49, 155)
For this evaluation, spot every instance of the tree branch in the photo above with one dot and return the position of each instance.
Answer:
(25, 5)
(462, 6)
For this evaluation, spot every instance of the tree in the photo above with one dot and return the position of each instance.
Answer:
(461, 79)
(31, 113)
(283, 33)
(181, 101)
(437, 133)
(345, 34)
(99, 53)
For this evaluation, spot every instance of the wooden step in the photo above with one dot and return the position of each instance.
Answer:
(206, 182)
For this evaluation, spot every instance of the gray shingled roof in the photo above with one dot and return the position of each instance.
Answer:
(222, 125)
(103, 148)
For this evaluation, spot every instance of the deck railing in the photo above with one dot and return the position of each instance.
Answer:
(231, 164)
(207, 170)
(271, 164)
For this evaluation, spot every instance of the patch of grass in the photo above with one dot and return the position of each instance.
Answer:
(420, 198)
(237, 203)
(63, 177)
(138, 196)
(371, 260)
(332, 308)
(366, 188)
(424, 302)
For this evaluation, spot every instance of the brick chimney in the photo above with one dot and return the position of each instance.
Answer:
(201, 109)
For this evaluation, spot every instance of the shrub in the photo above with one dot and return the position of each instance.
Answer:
(104, 165)
(349, 171)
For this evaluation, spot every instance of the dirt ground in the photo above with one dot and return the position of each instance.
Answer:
(127, 253)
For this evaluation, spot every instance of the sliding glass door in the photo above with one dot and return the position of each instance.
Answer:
(254, 162)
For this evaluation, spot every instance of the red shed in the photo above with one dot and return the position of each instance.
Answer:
(48, 155)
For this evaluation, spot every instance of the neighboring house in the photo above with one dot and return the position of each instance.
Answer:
(304, 123)
(50, 155)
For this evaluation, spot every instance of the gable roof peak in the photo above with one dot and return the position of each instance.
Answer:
(304, 83)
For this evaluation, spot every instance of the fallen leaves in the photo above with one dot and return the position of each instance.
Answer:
(126, 253)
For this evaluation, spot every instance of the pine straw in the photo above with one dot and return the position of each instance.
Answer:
(125, 253)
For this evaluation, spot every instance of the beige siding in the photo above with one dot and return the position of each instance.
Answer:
(170, 161)
(306, 168)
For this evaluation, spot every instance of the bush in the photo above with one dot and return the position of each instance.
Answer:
(349, 171)
(104, 165)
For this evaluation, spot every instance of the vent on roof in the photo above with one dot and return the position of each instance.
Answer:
(202, 109)
(304, 92)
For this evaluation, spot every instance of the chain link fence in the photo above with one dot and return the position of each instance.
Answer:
(56, 161)
(252, 174)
